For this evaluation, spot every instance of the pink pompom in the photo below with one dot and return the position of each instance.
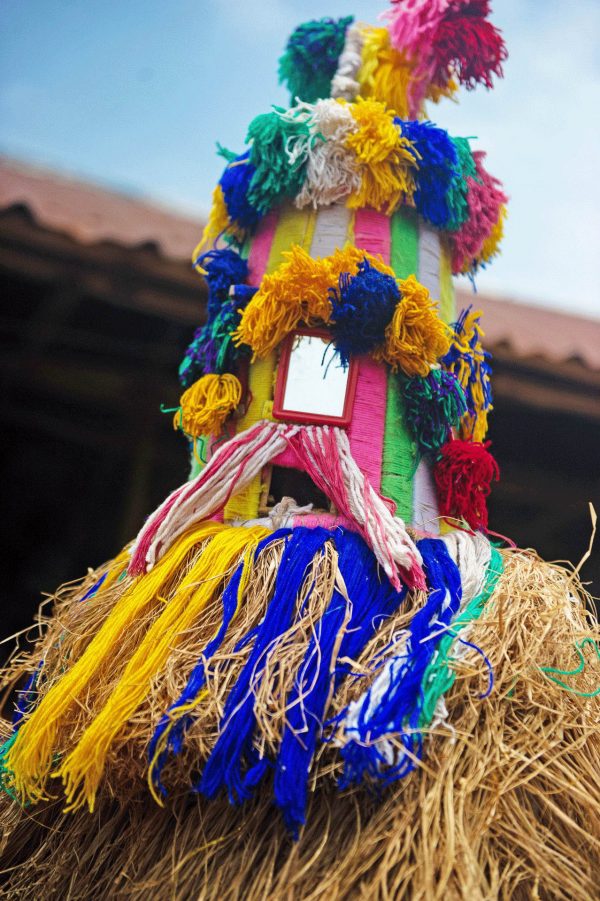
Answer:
(412, 24)
(445, 39)
(485, 199)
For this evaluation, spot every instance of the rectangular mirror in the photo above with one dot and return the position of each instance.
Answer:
(312, 385)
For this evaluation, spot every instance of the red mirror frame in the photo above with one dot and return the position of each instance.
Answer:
(279, 412)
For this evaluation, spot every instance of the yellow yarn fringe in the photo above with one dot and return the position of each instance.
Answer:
(385, 73)
(472, 426)
(82, 770)
(416, 337)
(29, 760)
(176, 713)
(435, 93)
(207, 403)
(218, 222)
(297, 291)
(491, 245)
(385, 158)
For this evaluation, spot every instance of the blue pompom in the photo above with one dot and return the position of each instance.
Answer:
(363, 306)
(235, 182)
(224, 268)
(438, 169)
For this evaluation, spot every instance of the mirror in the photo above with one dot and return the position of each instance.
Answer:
(312, 385)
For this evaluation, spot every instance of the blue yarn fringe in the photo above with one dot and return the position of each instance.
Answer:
(371, 599)
(27, 697)
(234, 763)
(197, 678)
(398, 711)
(224, 269)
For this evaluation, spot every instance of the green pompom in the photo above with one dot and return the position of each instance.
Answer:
(276, 177)
(311, 57)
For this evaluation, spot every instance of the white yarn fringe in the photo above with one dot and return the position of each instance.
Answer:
(237, 462)
(345, 83)
(331, 170)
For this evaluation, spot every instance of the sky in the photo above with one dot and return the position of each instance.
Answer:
(134, 95)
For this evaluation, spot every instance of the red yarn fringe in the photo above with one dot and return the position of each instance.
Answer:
(463, 477)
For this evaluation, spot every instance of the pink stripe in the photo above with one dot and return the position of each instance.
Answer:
(261, 248)
(287, 457)
(372, 232)
(327, 520)
(367, 427)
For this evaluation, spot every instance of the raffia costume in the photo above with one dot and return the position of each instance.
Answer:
(312, 674)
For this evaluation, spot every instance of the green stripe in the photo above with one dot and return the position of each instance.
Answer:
(405, 243)
(399, 450)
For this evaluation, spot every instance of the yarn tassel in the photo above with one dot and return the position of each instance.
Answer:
(438, 169)
(82, 770)
(360, 604)
(298, 292)
(434, 405)
(207, 404)
(486, 201)
(169, 735)
(469, 362)
(276, 177)
(235, 185)
(381, 736)
(463, 476)
(234, 763)
(29, 760)
(362, 307)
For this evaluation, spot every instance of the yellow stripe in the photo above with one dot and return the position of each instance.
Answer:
(293, 227)
(447, 303)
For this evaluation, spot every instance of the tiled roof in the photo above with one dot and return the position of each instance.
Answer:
(534, 331)
(91, 214)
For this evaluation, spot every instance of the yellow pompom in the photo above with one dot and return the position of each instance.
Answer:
(296, 292)
(416, 337)
(385, 73)
(385, 159)
(207, 403)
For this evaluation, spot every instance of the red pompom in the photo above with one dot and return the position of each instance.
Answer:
(463, 476)
(467, 46)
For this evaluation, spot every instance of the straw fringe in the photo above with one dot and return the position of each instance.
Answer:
(511, 809)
